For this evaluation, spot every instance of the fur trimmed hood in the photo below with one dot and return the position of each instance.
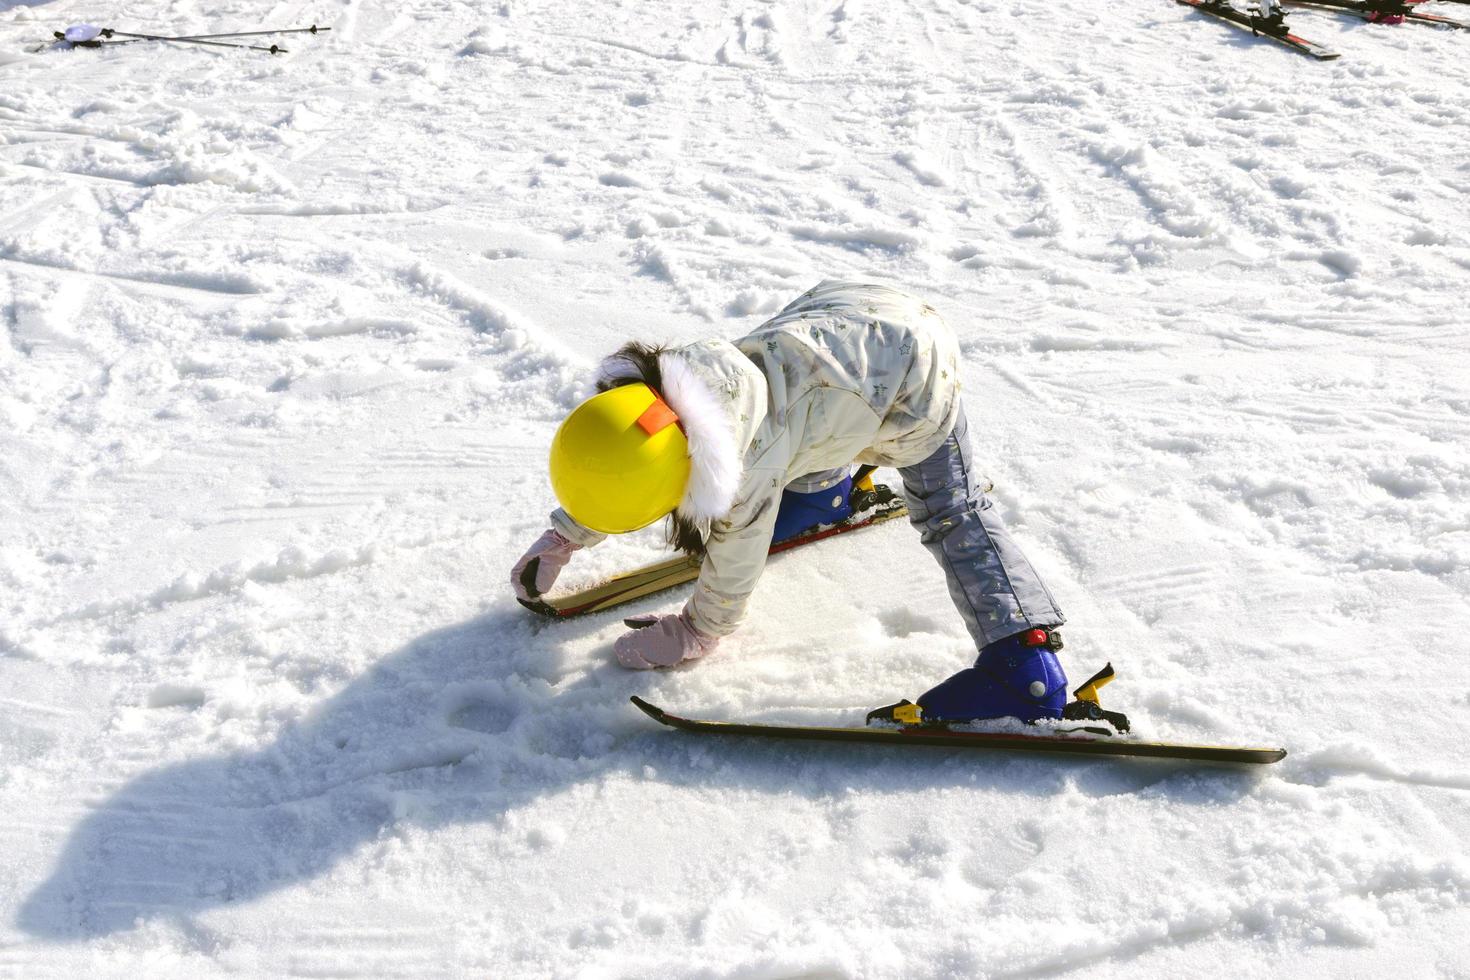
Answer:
(714, 457)
(709, 422)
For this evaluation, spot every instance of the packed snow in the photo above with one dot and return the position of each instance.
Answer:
(285, 339)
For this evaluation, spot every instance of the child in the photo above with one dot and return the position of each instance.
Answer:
(727, 437)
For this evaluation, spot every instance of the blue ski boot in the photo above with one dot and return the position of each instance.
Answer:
(1017, 677)
(803, 511)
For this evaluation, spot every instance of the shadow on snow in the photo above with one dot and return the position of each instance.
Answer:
(467, 724)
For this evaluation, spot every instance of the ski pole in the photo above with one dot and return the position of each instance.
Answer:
(273, 49)
(313, 29)
(86, 35)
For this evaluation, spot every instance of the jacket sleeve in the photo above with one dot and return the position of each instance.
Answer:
(736, 555)
(578, 535)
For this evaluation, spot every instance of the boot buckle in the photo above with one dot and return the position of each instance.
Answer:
(1042, 637)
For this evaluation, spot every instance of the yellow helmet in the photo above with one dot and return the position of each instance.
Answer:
(620, 461)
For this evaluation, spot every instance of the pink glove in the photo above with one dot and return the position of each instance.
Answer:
(538, 568)
(661, 641)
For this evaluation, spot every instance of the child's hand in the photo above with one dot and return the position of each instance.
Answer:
(661, 641)
(538, 568)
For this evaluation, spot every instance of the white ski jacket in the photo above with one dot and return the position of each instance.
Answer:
(849, 372)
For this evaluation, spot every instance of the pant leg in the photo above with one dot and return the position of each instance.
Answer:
(994, 587)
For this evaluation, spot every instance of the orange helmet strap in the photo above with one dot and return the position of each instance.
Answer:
(657, 417)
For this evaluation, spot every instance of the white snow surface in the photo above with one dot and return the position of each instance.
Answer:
(283, 341)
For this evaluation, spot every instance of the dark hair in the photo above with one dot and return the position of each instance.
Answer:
(639, 362)
(685, 535)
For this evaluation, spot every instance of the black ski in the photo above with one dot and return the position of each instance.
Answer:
(1083, 743)
(1272, 27)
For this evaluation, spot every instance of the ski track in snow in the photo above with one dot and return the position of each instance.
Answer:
(282, 343)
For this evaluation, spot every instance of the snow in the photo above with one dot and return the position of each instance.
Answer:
(284, 342)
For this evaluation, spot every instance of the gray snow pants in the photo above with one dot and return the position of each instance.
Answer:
(994, 587)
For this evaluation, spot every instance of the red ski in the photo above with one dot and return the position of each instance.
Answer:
(1369, 9)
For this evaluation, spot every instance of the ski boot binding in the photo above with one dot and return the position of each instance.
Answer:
(1088, 707)
(849, 497)
(905, 712)
(1017, 677)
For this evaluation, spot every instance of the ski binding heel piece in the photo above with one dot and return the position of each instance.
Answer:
(867, 495)
(1088, 706)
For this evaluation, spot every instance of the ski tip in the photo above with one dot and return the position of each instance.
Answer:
(651, 710)
(539, 607)
(1249, 756)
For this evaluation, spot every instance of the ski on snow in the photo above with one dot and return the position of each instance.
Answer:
(1083, 743)
(1367, 8)
(1273, 28)
(880, 505)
